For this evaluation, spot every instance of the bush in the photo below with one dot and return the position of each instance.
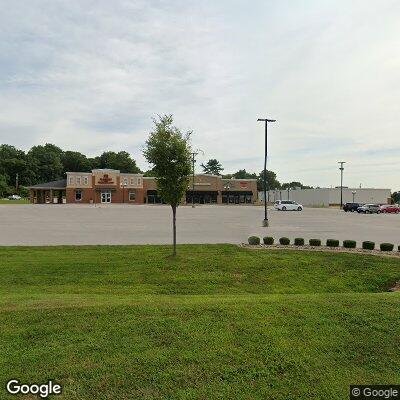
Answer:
(268, 240)
(315, 242)
(349, 244)
(368, 245)
(254, 240)
(284, 240)
(387, 246)
(332, 243)
(299, 242)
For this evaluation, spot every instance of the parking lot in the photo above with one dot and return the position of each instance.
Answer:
(123, 224)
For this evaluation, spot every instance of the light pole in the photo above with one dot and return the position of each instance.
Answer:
(266, 120)
(341, 181)
(194, 154)
(353, 193)
(124, 185)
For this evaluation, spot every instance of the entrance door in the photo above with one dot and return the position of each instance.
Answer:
(106, 196)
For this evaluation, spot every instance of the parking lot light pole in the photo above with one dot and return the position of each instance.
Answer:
(353, 193)
(194, 154)
(341, 181)
(266, 120)
(288, 191)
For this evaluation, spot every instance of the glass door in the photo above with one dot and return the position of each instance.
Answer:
(106, 196)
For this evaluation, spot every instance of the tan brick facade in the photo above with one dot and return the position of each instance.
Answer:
(112, 186)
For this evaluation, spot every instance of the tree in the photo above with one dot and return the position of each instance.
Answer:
(243, 174)
(73, 161)
(396, 197)
(272, 182)
(213, 167)
(13, 162)
(4, 189)
(45, 163)
(168, 151)
(121, 160)
(294, 184)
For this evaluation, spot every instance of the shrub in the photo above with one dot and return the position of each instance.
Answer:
(332, 243)
(268, 240)
(254, 240)
(368, 245)
(349, 244)
(284, 240)
(299, 242)
(315, 242)
(387, 246)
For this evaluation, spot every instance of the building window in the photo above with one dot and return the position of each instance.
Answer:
(86, 180)
(71, 180)
(78, 180)
(126, 181)
(132, 196)
(132, 181)
(78, 195)
(139, 181)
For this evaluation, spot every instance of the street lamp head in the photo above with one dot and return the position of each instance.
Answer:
(266, 120)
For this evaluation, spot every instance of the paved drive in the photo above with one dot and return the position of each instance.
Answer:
(124, 224)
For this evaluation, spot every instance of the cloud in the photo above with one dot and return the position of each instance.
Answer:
(90, 75)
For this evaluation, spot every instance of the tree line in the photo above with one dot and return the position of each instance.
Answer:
(45, 163)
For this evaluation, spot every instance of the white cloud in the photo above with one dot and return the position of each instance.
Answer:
(90, 75)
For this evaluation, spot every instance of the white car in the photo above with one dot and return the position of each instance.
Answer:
(14, 197)
(288, 205)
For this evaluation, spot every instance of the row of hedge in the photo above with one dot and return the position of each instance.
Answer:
(348, 244)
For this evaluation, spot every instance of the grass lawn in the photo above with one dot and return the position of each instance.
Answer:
(22, 201)
(218, 322)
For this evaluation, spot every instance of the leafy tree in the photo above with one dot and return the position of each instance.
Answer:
(212, 167)
(73, 161)
(13, 162)
(45, 163)
(168, 151)
(121, 160)
(294, 184)
(396, 197)
(4, 189)
(243, 174)
(272, 182)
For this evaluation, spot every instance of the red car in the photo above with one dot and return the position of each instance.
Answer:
(390, 208)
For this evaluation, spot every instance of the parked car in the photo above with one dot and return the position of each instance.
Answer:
(287, 205)
(390, 208)
(14, 197)
(351, 206)
(369, 209)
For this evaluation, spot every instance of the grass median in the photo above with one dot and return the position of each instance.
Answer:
(217, 322)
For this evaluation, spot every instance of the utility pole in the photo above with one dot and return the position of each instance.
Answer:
(194, 154)
(341, 181)
(16, 182)
(266, 120)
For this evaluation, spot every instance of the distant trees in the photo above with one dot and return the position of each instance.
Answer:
(212, 167)
(396, 197)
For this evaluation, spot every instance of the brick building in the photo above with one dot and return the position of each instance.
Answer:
(112, 186)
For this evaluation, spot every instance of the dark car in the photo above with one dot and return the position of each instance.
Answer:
(351, 206)
(369, 209)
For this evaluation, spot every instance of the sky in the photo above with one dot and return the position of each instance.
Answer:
(90, 76)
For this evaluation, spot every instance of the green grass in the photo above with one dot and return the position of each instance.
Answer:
(218, 322)
(22, 201)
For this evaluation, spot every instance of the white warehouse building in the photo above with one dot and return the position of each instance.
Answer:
(325, 197)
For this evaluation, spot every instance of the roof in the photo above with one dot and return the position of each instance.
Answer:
(61, 184)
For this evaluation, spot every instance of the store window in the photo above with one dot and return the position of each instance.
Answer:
(78, 180)
(71, 180)
(78, 195)
(132, 196)
(132, 181)
(86, 180)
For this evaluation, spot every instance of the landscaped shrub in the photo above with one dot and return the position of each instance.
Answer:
(268, 240)
(367, 245)
(349, 244)
(315, 242)
(299, 242)
(254, 240)
(284, 240)
(332, 243)
(387, 246)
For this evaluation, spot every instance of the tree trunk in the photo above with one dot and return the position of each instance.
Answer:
(174, 228)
